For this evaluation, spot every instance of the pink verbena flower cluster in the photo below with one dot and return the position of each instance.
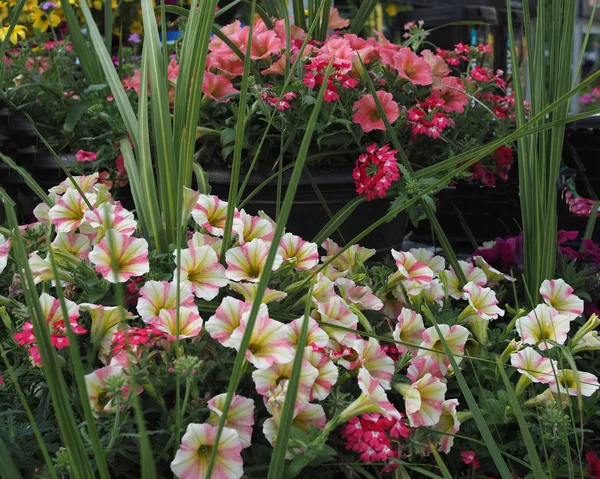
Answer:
(375, 171)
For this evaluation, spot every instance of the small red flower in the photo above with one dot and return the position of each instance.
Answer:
(468, 457)
(375, 171)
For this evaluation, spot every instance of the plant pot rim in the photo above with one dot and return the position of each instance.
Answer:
(321, 174)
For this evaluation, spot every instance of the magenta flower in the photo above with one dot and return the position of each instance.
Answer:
(375, 171)
(83, 156)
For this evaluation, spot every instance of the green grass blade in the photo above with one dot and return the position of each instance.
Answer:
(536, 464)
(240, 359)
(299, 16)
(362, 15)
(440, 462)
(146, 458)
(338, 219)
(8, 469)
(33, 185)
(14, 20)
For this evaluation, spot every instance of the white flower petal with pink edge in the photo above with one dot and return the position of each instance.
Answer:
(371, 400)
(269, 342)
(248, 291)
(201, 239)
(350, 259)
(492, 273)
(249, 227)
(72, 243)
(423, 400)
(42, 209)
(4, 249)
(429, 259)
(40, 268)
(448, 425)
(86, 184)
(472, 273)
(533, 365)
(421, 365)
(104, 319)
(412, 270)
(409, 330)
(68, 214)
(559, 295)
(567, 380)
(200, 268)
(247, 262)
(373, 358)
(482, 301)
(108, 216)
(189, 321)
(210, 213)
(361, 296)
(455, 337)
(190, 199)
(240, 415)
(434, 292)
(301, 254)
(323, 290)
(96, 385)
(193, 456)
(158, 295)
(336, 311)
(305, 415)
(267, 379)
(328, 373)
(53, 311)
(542, 324)
(314, 336)
(129, 254)
(226, 319)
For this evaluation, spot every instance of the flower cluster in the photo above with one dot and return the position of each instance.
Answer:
(375, 171)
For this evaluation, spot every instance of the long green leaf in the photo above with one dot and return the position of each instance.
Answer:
(14, 20)
(440, 462)
(362, 15)
(8, 469)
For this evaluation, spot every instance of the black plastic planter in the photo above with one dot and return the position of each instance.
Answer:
(308, 215)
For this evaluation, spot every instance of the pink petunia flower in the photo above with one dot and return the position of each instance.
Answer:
(451, 91)
(210, 213)
(367, 113)
(412, 67)
(409, 330)
(249, 227)
(559, 295)
(68, 213)
(4, 250)
(217, 86)
(83, 156)
(448, 425)
(158, 295)
(534, 366)
(542, 324)
(247, 262)
(240, 415)
(200, 268)
(336, 22)
(455, 337)
(118, 257)
(301, 254)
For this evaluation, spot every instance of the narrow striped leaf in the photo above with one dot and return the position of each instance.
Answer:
(14, 20)
(440, 462)
(8, 469)
(362, 15)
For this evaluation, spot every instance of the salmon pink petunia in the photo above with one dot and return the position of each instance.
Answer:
(119, 257)
(240, 415)
(559, 295)
(158, 295)
(451, 91)
(68, 214)
(336, 22)
(193, 456)
(269, 342)
(439, 69)
(249, 227)
(217, 86)
(301, 254)
(4, 249)
(247, 262)
(455, 337)
(367, 113)
(210, 213)
(542, 325)
(412, 67)
(265, 44)
(534, 366)
(226, 319)
(200, 268)
(409, 330)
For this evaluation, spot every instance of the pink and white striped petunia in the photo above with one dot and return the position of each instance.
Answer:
(542, 325)
(200, 268)
(424, 397)
(158, 295)
(455, 337)
(200, 239)
(493, 275)
(226, 319)
(372, 400)
(75, 244)
(350, 260)
(247, 262)
(409, 330)
(210, 213)
(97, 388)
(448, 425)
(193, 456)
(40, 268)
(429, 259)
(472, 273)
(240, 415)
(314, 335)
(301, 254)
(105, 320)
(109, 216)
(248, 291)
(575, 383)
(434, 292)
(68, 214)
(336, 311)
(328, 373)
(323, 289)
(119, 257)
(269, 342)
(190, 322)
(534, 366)
(361, 296)
(305, 416)
(53, 311)
(249, 227)
(4, 249)
(373, 358)
(190, 199)
(267, 379)
(86, 183)
(412, 270)
(482, 301)
(559, 295)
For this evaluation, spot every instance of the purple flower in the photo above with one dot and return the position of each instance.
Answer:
(587, 98)
(48, 6)
(135, 38)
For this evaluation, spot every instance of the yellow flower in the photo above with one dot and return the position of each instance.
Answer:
(19, 31)
(392, 9)
(136, 27)
(3, 4)
(42, 20)
(3, 13)
(31, 6)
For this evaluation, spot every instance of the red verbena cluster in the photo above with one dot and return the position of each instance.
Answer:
(372, 435)
(375, 171)
(463, 52)
(427, 118)
(133, 338)
(282, 103)
(340, 77)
